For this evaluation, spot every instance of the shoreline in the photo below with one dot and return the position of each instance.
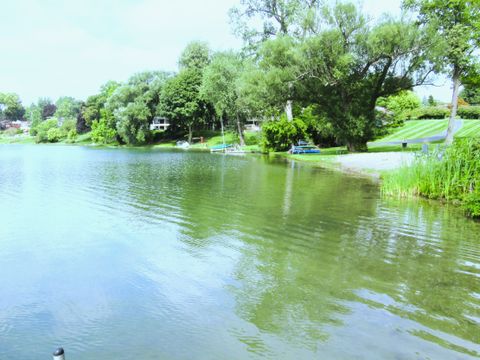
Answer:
(370, 165)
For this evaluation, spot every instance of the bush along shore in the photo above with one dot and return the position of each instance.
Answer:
(451, 175)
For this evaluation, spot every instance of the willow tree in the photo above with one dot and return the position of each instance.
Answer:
(257, 21)
(134, 104)
(219, 86)
(349, 65)
(273, 78)
(457, 22)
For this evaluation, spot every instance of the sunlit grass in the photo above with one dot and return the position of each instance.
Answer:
(16, 139)
(451, 177)
(471, 128)
(415, 129)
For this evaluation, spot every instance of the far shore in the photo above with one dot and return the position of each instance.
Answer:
(370, 164)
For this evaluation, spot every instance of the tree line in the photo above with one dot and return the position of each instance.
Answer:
(307, 68)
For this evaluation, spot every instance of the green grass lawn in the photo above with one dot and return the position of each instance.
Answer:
(414, 129)
(17, 139)
(471, 128)
(251, 138)
(84, 138)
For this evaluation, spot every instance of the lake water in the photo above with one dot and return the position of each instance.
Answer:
(154, 254)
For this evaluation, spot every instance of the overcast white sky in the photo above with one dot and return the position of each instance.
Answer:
(60, 47)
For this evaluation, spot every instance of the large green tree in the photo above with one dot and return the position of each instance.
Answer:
(258, 20)
(47, 106)
(94, 105)
(277, 78)
(11, 107)
(134, 104)
(269, 29)
(180, 101)
(348, 66)
(67, 108)
(457, 22)
(220, 87)
(196, 55)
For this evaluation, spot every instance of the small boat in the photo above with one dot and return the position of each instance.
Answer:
(220, 148)
(183, 144)
(235, 150)
(304, 148)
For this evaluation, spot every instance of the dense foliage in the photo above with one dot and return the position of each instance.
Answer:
(43, 129)
(430, 112)
(11, 107)
(469, 112)
(471, 92)
(281, 134)
(401, 105)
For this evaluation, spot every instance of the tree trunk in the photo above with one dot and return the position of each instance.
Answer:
(240, 132)
(190, 133)
(288, 110)
(223, 133)
(453, 113)
(357, 146)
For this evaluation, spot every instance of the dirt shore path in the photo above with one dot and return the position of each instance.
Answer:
(375, 162)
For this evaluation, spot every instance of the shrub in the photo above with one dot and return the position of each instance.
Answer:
(402, 105)
(318, 128)
(54, 135)
(72, 135)
(252, 138)
(430, 112)
(43, 128)
(279, 135)
(102, 133)
(469, 112)
(13, 131)
(156, 136)
(68, 125)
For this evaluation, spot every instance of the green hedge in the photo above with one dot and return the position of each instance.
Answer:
(469, 112)
(431, 112)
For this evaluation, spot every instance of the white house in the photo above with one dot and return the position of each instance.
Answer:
(159, 123)
(253, 124)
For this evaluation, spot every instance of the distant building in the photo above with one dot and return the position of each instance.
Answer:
(253, 124)
(159, 123)
(17, 124)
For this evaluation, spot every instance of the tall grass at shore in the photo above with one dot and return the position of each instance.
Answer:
(453, 176)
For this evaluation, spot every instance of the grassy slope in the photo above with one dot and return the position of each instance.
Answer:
(471, 128)
(415, 129)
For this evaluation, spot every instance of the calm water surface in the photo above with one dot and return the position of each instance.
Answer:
(150, 254)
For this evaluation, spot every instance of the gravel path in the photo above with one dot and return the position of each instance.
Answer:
(375, 161)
